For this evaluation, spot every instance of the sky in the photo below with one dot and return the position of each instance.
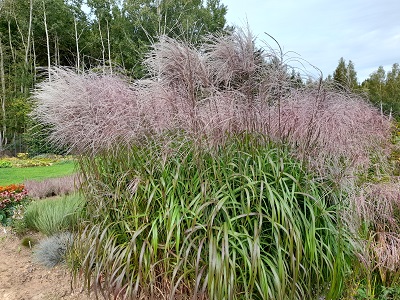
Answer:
(367, 32)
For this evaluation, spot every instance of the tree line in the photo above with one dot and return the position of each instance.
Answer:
(382, 87)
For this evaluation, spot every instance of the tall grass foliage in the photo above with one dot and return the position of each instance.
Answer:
(243, 221)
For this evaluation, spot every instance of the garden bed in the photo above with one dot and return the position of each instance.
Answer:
(22, 278)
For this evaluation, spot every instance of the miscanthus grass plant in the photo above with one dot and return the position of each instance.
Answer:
(243, 221)
(217, 176)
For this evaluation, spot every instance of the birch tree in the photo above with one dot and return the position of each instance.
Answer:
(3, 139)
(47, 41)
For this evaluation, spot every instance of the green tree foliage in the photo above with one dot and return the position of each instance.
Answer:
(133, 25)
(16, 74)
(392, 89)
(352, 76)
(296, 79)
(384, 90)
(374, 85)
(339, 75)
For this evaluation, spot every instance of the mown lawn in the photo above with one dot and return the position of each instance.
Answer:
(18, 175)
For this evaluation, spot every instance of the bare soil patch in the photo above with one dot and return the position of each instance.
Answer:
(21, 278)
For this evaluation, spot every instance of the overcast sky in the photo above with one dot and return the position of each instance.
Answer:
(321, 31)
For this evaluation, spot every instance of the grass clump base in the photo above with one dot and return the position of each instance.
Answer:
(236, 221)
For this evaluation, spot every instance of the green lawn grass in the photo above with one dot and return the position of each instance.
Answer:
(19, 175)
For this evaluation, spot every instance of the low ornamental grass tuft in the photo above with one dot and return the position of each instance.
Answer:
(51, 216)
(240, 221)
(53, 249)
(51, 187)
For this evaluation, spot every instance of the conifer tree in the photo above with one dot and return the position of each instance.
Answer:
(345, 75)
(339, 75)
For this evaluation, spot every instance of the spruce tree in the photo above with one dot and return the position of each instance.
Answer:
(345, 75)
(339, 75)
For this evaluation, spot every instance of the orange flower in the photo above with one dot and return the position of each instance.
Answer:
(12, 188)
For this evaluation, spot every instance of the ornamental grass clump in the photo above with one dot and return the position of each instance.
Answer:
(96, 109)
(50, 187)
(51, 216)
(335, 133)
(225, 86)
(52, 250)
(217, 176)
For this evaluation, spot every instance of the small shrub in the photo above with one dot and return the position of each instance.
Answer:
(5, 164)
(52, 250)
(19, 227)
(52, 216)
